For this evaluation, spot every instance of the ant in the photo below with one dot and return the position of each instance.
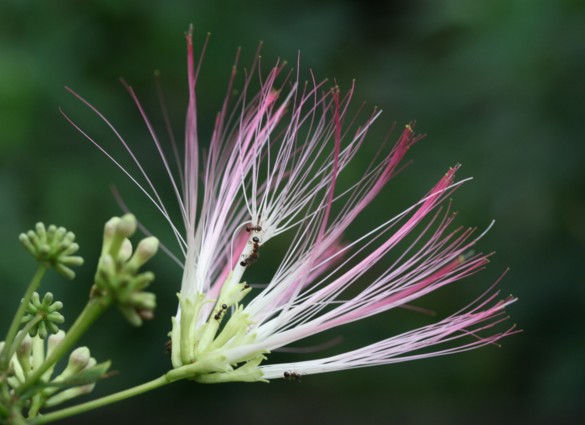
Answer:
(256, 228)
(253, 257)
(220, 312)
(292, 376)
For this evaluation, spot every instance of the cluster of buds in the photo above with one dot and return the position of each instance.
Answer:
(78, 377)
(43, 317)
(53, 246)
(117, 274)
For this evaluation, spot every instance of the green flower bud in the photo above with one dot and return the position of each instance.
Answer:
(81, 383)
(146, 249)
(45, 310)
(131, 315)
(125, 251)
(117, 229)
(118, 276)
(54, 340)
(143, 300)
(127, 225)
(78, 360)
(54, 246)
(23, 354)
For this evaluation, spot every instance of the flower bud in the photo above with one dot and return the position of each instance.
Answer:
(125, 251)
(146, 249)
(54, 340)
(143, 300)
(117, 275)
(116, 230)
(78, 360)
(47, 311)
(23, 353)
(52, 246)
(127, 225)
(109, 233)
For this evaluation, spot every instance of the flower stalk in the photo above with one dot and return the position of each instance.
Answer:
(9, 347)
(104, 401)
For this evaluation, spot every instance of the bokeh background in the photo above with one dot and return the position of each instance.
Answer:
(497, 85)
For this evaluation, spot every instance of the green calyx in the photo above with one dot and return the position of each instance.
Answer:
(198, 346)
(248, 372)
(54, 247)
(118, 277)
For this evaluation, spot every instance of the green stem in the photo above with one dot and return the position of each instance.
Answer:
(37, 402)
(32, 287)
(93, 309)
(20, 337)
(90, 405)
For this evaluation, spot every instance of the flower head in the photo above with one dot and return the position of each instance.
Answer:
(273, 167)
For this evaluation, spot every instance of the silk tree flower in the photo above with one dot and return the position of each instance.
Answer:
(274, 166)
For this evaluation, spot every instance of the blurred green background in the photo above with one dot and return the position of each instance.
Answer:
(497, 85)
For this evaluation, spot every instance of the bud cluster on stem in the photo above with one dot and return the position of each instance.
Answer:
(34, 342)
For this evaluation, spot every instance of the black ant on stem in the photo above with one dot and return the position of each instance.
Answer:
(220, 312)
(253, 257)
(256, 228)
(292, 376)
